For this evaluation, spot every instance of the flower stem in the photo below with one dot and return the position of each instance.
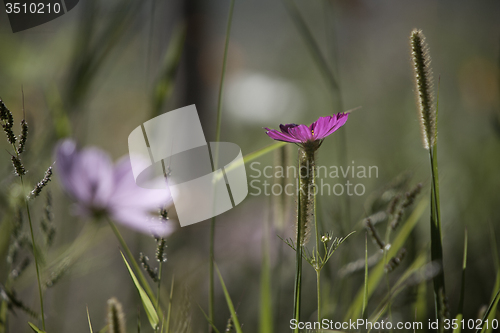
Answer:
(318, 267)
(318, 287)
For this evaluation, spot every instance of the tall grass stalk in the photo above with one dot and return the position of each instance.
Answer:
(40, 293)
(428, 116)
(17, 152)
(216, 154)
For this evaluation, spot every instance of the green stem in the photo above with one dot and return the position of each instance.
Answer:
(211, 268)
(436, 241)
(167, 329)
(215, 160)
(224, 63)
(36, 260)
(298, 254)
(159, 287)
(319, 265)
(318, 287)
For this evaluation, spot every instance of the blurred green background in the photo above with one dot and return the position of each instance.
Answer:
(102, 69)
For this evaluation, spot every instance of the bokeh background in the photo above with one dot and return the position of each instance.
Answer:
(102, 69)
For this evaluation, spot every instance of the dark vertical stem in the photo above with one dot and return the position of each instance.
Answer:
(436, 244)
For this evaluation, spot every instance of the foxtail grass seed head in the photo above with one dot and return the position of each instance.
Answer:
(59, 272)
(411, 195)
(395, 261)
(23, 137)
(7, 123)
(393, 204)
(16, 272)
(41, 184)
(46, 225)
(19, 169)
(397, 219)
(15, 303)
(116, 317)
(374, 234)
(424, 87)
(307, 192)
(444, 304)
(153, 273)
(229, 326)
(161, 256)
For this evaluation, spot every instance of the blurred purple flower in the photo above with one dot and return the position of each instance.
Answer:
(103, 189)
(312, 135)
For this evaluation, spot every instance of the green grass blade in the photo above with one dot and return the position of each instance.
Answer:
(492, 305)
(254, 155)
(460, 313)
(169, 313)
(462, 285)
(146, 301)
(130, 256)
(311, 44)
(365, 289)
(211, 306)
(400, 285)
(208, 319)
(355, 310)
(165, 83)
(266, 306)
(35, 329)
(258, 153)
(229, 303)
(90, 323)
(496, 263)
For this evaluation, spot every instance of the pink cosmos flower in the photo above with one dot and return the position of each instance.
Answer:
(100, 188)
(309, 136)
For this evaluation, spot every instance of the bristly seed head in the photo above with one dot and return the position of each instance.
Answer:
(23, 137)
(18, 166)
(305, 220)
(39, 187)
(116, 317)
(373, 232)
(424, 85)
(8, 122)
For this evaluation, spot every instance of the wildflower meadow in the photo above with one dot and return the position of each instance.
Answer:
(249, 166)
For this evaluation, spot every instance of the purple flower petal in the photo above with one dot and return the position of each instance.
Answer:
(143, 222)
(318, 130)
(99, 187)
(276, 135)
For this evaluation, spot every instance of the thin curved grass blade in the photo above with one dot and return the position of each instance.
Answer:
(146, 302)
(229, 302)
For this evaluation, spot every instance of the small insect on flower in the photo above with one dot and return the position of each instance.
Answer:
(309, 137)
(100, 188)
